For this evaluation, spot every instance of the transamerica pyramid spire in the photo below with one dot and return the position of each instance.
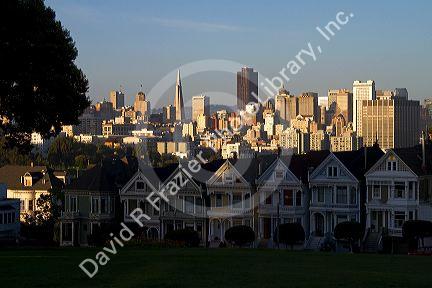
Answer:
(178, 100)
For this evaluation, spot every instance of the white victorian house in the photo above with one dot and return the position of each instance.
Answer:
(392, 192)
(282, 199)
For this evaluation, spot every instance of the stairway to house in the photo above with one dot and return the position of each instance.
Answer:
(371, 243)
(314, 243)
(214, 243)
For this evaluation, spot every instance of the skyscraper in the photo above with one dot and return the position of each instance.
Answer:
(178, 100)
(141, 105)
(393, 121)
(340, 101)
(247, 87)
(117, 99)
(308, 105)
(200, 106)
(361, 91)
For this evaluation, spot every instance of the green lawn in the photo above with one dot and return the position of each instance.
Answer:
(133, 267)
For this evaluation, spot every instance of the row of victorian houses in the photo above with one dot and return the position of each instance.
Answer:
(318, 190)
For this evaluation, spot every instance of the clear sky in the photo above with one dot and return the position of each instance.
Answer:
(132, 43)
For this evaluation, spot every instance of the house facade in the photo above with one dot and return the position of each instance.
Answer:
(9, 216)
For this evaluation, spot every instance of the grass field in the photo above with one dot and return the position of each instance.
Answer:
(133, 267)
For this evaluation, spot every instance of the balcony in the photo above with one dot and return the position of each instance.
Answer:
(333, 205)
(267, 208)
(70, 214)
(226, 212)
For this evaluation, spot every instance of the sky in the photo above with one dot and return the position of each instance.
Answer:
(126, 44)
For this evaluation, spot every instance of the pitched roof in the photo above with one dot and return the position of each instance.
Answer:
(107, 176)
(412, 157)
(360, 161)
(43, 178)
(301, 164)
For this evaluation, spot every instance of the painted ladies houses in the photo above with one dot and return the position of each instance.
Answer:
(398, 189)
(281, 195)
(186, 209)
(336, 186)
(231, 192)
(28, 183)
(92, 201)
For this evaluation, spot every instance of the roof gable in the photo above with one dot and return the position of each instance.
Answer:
(321, 172)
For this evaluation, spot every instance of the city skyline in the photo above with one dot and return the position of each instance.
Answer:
(131, 59)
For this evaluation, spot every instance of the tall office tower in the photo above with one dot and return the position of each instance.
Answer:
(200, 106)
(178, 100)
(394, 122)
(286, 107)
(247, 87)
(401, 93)
(340, 101)
(308, 105)
(117, 98)
(168, 114)
(105, 110)
(141, 105)
(361, 91)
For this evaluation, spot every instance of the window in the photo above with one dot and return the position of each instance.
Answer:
(391, 165)
(279, 175)
(112, 204)
(198, 203)
(228, 178)
(22, 205)
(353, 196)
(288, 197)
(237, 200)
(341, 195)
(247, 203)
(189, 204)
(298, 198)
(399, 219)
(218, 199)
(332, 171)
(73, 204)
(269, 199)
(103, 205)
(320, 196)
(30, 205)
(412, 190)
(139, 185)
(95, 205)
(376, 192)
(399, 190)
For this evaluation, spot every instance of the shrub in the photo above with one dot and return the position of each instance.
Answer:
(240, 235)
(350, 231)
(413, 230)
(186, 237)
(290, 234)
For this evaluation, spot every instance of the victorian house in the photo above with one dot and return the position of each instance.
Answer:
(92, 201)
(337, 188)
(398, 189)
(281, 197)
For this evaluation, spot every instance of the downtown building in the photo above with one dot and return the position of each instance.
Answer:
(247, 87)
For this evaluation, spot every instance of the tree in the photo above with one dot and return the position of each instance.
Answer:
(61, 153)
(415, 230)
(41, 88)
(350, 231)
(290, 234)
(240, 235)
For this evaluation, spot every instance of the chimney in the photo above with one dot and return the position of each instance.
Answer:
(423, 140)
(32, 164)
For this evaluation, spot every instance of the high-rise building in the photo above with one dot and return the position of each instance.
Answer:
(141, 105)
(247, 87)
(117, 98)
(393, 122)
(286, 107)
(168, 114)
(200, 106)
(308, 105)
(361, 91)
(319, 141)
(340, 101)
(178, 100)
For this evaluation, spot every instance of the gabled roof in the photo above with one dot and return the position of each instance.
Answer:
(332, 158)
(360, 161)
(301, 164)
(412, 157)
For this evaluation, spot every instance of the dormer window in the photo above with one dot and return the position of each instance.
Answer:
(279, 175)
(332, 171)
(28, 181)
(140, 185)
(391, 165)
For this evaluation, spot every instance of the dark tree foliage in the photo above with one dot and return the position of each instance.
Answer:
(290, 234)
(40, 86)
(240, 235)
(415, 230)
(186, 237)
(350, 231)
